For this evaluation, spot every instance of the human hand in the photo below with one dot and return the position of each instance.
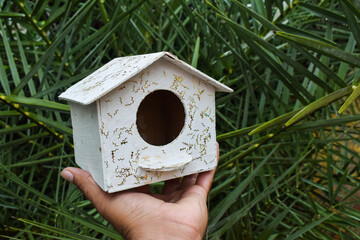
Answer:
(180, 212)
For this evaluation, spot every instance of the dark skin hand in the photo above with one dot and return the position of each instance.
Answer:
(180, 212)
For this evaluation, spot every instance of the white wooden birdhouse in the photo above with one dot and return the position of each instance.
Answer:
(144, 119)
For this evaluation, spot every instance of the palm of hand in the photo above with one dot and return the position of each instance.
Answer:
(180, 212)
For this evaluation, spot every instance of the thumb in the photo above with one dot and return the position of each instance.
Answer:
(84, 181)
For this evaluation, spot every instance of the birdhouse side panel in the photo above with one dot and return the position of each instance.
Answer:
(86, 138)
(125, 150)
(200, 140)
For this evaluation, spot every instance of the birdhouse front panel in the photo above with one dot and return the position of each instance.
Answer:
(158, 125)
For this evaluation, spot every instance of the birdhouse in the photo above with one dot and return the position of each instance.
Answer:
(144, 119)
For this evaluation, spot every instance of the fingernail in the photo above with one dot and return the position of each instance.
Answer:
(67, 175)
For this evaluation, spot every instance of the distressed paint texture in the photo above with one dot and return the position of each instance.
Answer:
(120, 70)
(87, 139)
(123, 146)
(104, 109)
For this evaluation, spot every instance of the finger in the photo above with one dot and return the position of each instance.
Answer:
(171, 186)
(84, 181)
(205, 179)
(189, 180)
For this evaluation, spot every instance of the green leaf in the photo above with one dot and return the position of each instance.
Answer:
(49, 52)
(4, 79)
(11, 14)
(322, 12)
(28, 139)
(55, 230)
(226, 203)
(320, 103)
(321, 47)
(352, 7)
(299, 32)
(234, 216)
(9, 113)
(9, 129)
(195, 56)
(353, 96)
(25, 64)
(294, 86)
(351, 20)
(41, 161)
(10, 56)
(323, 123)
(35, 102)
(235, 133)
(259, 17)
(274, 122)
(308, 227)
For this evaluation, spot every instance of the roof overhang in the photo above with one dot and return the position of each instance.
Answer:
(120, 70)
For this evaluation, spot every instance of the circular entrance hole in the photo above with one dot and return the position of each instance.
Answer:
(160, 117)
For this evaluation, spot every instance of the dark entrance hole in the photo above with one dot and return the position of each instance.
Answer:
(160, 117)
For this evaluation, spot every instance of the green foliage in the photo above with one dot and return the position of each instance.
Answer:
(289, 165)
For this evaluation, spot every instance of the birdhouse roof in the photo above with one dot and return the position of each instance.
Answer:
(119, 70)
